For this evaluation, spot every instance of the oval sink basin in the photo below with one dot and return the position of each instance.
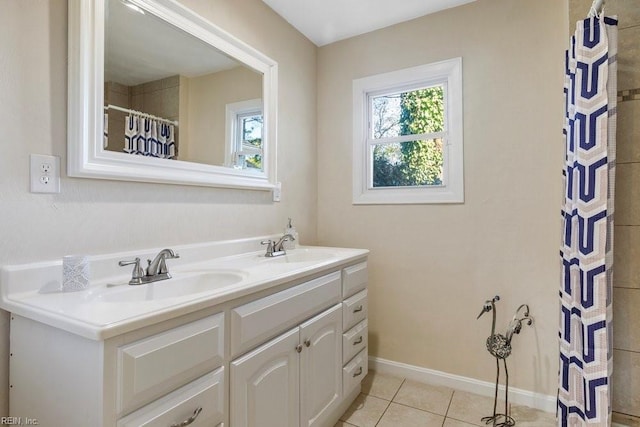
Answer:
(175, 287)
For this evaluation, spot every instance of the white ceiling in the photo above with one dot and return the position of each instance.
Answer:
(140, 48)
(327, 21)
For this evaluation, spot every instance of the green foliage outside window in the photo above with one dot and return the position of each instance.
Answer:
(252, 137)
(255, 161)
(413, 163)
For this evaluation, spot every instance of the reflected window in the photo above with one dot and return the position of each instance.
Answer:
(248, 143)
(244, 135)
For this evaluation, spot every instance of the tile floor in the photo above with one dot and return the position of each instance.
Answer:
(388, 401)
(623, 420)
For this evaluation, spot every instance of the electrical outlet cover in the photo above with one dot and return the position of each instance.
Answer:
(44, 173)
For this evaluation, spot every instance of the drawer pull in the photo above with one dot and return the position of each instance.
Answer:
(191, 419)
(358, 372)
(307, 343)
(357, 309)
(299, 348)
(358, 341)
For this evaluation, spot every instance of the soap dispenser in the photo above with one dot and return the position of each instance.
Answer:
(289, 229)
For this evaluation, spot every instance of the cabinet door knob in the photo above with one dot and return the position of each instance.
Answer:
(307, 343)
(298, 348)
(358, 372)
(358, 341)
(189, 420)
(357, 309)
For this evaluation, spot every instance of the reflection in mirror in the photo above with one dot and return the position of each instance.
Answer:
(170, 95)
(159, 94)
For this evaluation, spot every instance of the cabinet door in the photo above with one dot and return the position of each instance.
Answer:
(321, 366)
(265, 385)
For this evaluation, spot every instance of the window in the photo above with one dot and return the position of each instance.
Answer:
(407, 129)
(244, 135)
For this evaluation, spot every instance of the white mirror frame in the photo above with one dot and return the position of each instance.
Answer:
(86, 156)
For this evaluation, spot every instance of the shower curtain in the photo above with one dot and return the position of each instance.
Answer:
(584, 390)
(149, 137)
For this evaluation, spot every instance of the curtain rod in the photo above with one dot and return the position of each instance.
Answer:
(596, 8)
(140, 113)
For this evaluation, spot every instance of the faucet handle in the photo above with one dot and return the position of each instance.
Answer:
(270, 245)
(137, 273)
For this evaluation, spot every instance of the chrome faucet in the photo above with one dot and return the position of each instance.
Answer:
(279, 245)
(159, 266)
(275, 249)
(156, 269)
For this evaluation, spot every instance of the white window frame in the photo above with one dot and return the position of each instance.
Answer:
(447, 73)
(235, 111)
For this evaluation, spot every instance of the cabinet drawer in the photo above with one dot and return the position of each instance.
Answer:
(354, 279)
(154, 366)
(354, 340)
(354, 310)
(354, 372)
(257, 321)
(204, 397)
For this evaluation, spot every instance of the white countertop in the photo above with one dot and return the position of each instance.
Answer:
(110, 306)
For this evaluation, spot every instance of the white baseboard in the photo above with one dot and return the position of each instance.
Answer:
(518, 396)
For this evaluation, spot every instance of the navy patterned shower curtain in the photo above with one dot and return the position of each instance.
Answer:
(149, 137)
(584, 391)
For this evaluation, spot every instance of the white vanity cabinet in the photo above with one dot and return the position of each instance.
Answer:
(144, 378)
(355, 326)
(288, 353)
(301, 377)
(297, 373)
(293, 380)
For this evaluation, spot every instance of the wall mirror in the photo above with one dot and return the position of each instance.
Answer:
(159, 94)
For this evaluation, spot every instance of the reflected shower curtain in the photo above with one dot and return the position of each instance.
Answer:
(149, 137)
(105, 130)
(584, 390)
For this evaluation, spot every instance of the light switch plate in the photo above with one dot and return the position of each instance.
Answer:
(277, 192)
(44, 172)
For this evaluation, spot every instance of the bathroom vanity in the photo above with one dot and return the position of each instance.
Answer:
(233, 339)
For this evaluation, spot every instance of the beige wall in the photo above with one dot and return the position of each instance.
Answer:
(97, 216)
(208, 96)
(433, 266)
(158, 97)
(116, 94)
(626, 273)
